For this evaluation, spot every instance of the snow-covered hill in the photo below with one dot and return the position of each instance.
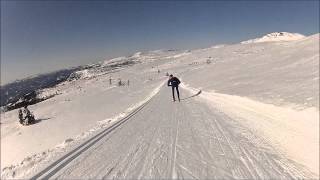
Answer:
(270, 90)
(276, 36)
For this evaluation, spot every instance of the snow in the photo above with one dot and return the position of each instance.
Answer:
(276, 36)
(281, 74)
(114, 60)
(83, 103)
(180, 142)
(218, 46)
(274, 123)
(181, 55)
(261, 100)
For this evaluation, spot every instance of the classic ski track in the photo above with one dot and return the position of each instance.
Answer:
(174, 146)
(57, 165)
(184, 140)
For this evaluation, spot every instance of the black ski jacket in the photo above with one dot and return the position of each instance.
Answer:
(173, 82)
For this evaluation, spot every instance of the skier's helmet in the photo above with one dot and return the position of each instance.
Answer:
(171, 75)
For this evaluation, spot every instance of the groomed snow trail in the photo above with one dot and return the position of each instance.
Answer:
(166, 139)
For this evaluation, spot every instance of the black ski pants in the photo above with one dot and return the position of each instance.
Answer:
(177, 89)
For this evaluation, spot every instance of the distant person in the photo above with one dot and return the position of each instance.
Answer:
(26, 112)
(119, 82)
(25, 116)
(21, 118)
(174, 83)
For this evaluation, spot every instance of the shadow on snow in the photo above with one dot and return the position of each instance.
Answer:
(198, 93)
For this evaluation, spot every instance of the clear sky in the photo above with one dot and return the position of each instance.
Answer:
(42, 36)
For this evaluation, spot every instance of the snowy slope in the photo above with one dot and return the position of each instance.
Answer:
(280, 73)
(270, 90)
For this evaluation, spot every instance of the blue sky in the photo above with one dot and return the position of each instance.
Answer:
(39, 36)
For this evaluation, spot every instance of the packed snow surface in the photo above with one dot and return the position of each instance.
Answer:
(246, 111)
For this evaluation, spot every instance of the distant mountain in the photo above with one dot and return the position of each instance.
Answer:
(17, 93)
(276, 36)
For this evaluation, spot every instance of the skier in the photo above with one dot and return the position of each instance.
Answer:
(174, 83)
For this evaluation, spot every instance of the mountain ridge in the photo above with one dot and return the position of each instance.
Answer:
(276, 36)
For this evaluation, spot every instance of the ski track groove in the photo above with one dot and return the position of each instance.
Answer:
(220, 144)
(174, 146)
(145, 158)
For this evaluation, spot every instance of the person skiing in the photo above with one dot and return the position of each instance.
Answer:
(174, 83)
